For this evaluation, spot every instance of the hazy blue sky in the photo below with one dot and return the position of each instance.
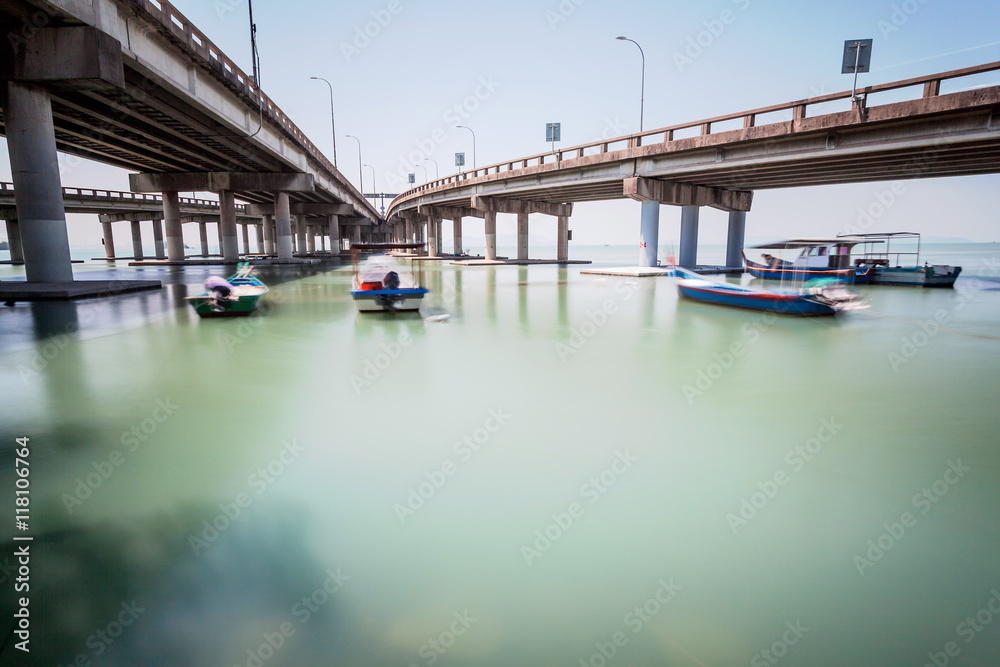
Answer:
(536, 62)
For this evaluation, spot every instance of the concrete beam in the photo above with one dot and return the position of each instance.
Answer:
(686, 194)
(70, 58)
(303, 208)
(412, 214)
(214, 181)
(449, 211)
(498, 205)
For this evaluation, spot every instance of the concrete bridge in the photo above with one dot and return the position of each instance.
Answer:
(115, 206)
(720, 161)
(133, 84)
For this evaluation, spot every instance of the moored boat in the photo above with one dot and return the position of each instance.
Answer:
(928, 275)
(826, 298)
(385, 284)
(237, 295)
(818, 258)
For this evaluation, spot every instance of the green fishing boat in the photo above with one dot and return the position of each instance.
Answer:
(237, 295)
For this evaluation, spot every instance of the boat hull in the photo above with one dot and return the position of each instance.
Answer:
(918, 276)
(241, 307)
(694, 287)
(849, 275)
(389, 301)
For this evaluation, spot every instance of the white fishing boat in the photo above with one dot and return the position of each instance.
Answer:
(386, 284)
(892, 267)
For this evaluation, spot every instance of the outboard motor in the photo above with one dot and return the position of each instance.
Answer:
(391, 281)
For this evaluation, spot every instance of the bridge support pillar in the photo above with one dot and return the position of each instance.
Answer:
(411, 235)
(522, 236)
(433, 229)
(689, 236)
(172, 220)
(283, 221)
(322, 242)
(259, 230)
(109, 240)
(158, 239)
(300, 234)
(268, 225)
(203, 236)
(310, 239)
(356, 234)
(734, 242)
(246, 239)
(31, 145)
(490, 218)
(562, 243)
(649, 232)
(137, 240)
(456, 231)
(218, 228)
(334, 221)
(227, 226)
(14, 242)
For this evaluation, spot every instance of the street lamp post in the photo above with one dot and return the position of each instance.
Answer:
(473, 145)
(361, 176)
(333, 122)
(437, 174)
(425, 171)
(642, 90)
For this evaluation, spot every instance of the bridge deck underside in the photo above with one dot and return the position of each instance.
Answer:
(963, 139)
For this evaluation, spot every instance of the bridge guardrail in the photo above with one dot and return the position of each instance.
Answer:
(121, 196)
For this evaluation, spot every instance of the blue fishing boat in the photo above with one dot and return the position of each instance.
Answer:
(818, 258)
(825, 297)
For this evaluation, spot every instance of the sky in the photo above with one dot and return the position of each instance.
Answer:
(405, 72)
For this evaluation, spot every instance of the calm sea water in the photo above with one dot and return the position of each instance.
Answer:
(571, 469)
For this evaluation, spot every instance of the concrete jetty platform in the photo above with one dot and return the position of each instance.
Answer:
(500, 261)
(653, 271)
(222, 262)
(19, 290)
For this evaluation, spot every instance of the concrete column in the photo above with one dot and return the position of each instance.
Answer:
(158, 239)
(227, 223)
(689, 236)
(267, 225)
(246, 239)
(562, 242)
(310, 239)
(649, 232)
(432, 236)
(322, 242)
(734, 243)
(34, 165)
(356, 234)
(203, 235)
(411, 236)
(14, 241)
(456, 230)
(259, 229)
(283, 221)
(522, 236)
(334, 221)
(491, 234)
(218, 229)
(438, 234)
(109, 240)
(300, 233)
(136, 240)
(172, 219)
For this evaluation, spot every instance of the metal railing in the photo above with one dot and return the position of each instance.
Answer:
(665, 135)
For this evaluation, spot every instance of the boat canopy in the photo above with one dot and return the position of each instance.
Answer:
(851, 240)
(871, 238)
